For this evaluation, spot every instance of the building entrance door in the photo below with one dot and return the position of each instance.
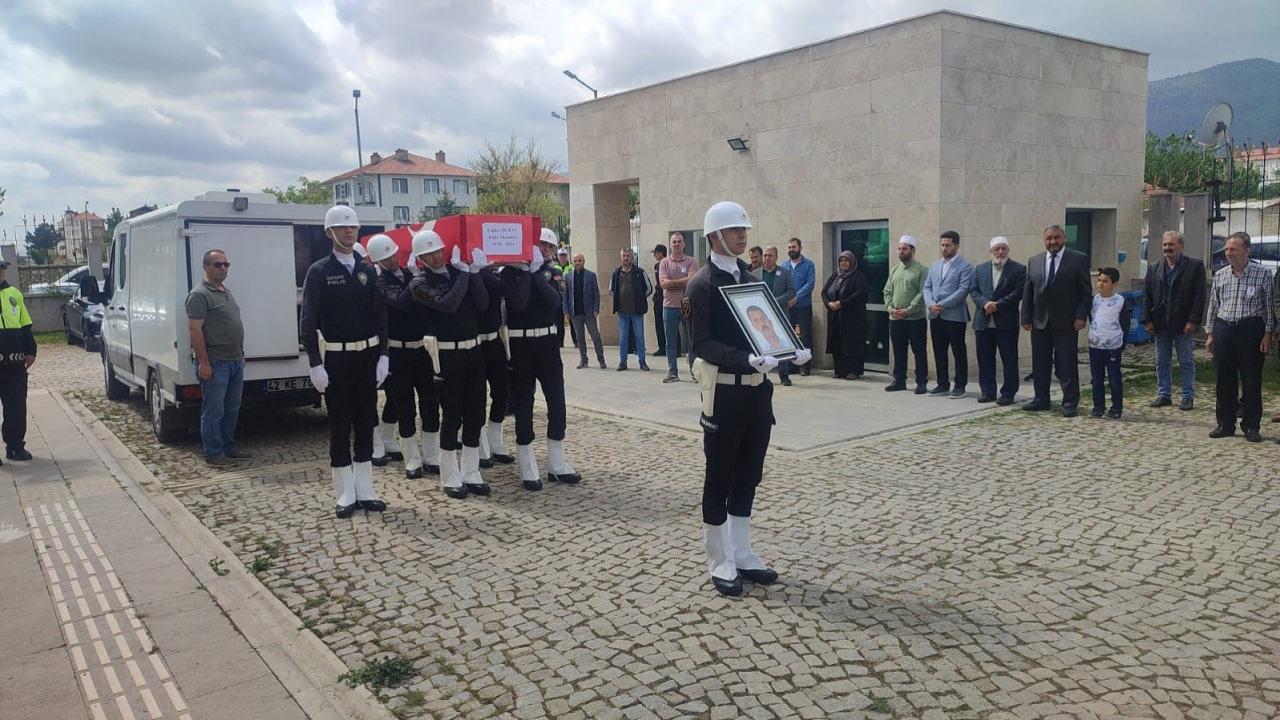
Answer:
(1079, 227)
(869, 242)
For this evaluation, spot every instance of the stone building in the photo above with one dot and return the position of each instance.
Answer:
(942, 121)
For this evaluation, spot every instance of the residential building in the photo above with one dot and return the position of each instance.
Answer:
(406, 184)
(78, 229)
(1266, 162)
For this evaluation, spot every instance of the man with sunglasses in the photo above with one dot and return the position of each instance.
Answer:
(217, 350)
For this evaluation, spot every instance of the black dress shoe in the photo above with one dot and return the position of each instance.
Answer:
(895, 387)
(621, 367)
(1186, 404)
(1114, 414)
(1221, 432)
(431, 469)
(345, 511)
(582, 364)
(397, 455)
(986, 399)
(1252, 436)
(786, 380)
(804, 371)
(531, 484)
(1068, 411)
(17, 454)
(1096, 412)
(372, 505)
(567, 479)
(731, 588)
(457, 493)
(1035, 405)
(480, 489)
(413, 474)
(957, 392)
(603, 366)
(379, 461)
(921, 389)
(502, 459)
(1161, 402)
(486, 463)
(644, 367)
(1002, 402)
(759, 577)
(941, 390)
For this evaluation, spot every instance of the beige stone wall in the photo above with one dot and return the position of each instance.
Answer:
(939, 122)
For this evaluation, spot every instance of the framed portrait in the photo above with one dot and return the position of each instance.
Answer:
(762, 320)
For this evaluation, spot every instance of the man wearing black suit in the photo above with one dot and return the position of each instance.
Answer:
(1173, 307)
(1055, 305)
(997, 293)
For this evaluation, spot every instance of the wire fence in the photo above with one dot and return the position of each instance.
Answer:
(45, 278)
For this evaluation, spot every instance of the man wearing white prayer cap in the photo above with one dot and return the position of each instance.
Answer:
(997, 293)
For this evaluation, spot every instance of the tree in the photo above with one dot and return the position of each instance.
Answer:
(42, 243)
(2, 191)
(445, 206)
(306, 192)
(515, 180)
(115, 218)
(1180, 164)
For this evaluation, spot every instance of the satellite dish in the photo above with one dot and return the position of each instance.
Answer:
(1215, 130)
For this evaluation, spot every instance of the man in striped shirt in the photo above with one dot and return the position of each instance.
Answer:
(1241, 318)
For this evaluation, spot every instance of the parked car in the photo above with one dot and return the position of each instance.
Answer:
(82, 315)
(1264, 250)
(68, 284)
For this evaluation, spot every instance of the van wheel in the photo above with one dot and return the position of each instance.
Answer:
(166, 423)
(115, 389)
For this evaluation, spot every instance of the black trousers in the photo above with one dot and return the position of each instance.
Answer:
(659, 326)
(13, 396)
(462, 397)
(496, 373)
(988, 342)
(352, 404)
(560, 330)
(537, 360)
(412, 384)
(949, 335)
(734, 442)
(1239, 363)
(1104, 370)
(902, 333)
(389, 412)
(847, 364)
(1056, 349)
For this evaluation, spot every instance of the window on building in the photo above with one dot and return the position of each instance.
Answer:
(400, 186)
(461, 187)
(432, 212)
(342, 191)
(401, 214)
(431, 186)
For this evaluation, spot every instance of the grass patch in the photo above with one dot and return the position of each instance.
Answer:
(386, 673)
(50, 337)
(315, 602)
(414, 698)
(216, 566)
(260, 564)
(880, 705)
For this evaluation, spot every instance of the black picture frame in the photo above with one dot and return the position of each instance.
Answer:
(742, 299)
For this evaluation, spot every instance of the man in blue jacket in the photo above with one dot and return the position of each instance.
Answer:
(946, 290)
(800, 307)
(582, 308)
(630, 289)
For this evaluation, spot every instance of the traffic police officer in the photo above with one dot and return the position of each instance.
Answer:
(17, 353)
(533, 308)
(412, 379)
(493, 345)
(340, 300)
(452, 296)
(737, 414)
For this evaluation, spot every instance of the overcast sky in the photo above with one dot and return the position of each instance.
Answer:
(125, 102)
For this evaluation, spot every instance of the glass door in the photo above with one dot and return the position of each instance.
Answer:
(869, 242)
(1079, 227)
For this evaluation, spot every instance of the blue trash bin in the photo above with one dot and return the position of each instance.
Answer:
(1137, 333)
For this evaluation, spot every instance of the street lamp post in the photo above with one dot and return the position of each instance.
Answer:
(558, 116)
(359, 151)
(571, 76)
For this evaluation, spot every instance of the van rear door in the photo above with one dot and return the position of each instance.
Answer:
(260, 277)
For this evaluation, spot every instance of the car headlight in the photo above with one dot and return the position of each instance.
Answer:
(94, 315)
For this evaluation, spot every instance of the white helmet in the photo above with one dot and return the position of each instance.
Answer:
(341, 216)
(549, 237)
(426, 241)
(724, 214)
(359, 250)
(382, 247)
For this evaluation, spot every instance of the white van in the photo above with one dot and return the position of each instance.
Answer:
(155, 260)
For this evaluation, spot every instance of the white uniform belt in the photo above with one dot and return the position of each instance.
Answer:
(351, 346)
(459, 345)
(486, 337)
(532, 332)
(407, 344)
(752, 379)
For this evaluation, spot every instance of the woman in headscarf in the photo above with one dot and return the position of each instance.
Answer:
(845, 296)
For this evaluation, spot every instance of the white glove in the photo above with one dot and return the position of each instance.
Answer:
(319, 378)
(803, 356)
(456, 260)
(478, 260)
(762, 364)
(384, 369)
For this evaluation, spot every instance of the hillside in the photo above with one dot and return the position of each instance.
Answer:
(1178, 104)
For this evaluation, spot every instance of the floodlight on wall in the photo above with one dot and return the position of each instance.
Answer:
(739, 144)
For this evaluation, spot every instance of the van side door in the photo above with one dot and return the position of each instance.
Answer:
(116, 341)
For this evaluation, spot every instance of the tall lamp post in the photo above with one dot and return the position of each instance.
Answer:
(355, 94)
(571, 76)
(558, 116)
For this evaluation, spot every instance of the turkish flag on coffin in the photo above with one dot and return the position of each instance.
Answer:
(504, 238)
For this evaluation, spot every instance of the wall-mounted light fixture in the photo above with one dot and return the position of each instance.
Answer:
(739, 144)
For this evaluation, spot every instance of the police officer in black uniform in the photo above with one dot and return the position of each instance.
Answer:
(533, 309)
(452, 296)
(737, 413)
(412, 380)
(340, 299)
(493, 345)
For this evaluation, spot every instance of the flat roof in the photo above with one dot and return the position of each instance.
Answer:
(913, 18)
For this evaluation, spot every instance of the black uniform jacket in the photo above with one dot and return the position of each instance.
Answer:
(405, 320)
(532, 298)
(714, 332)
(491, 317)
(453, 301)
(344, 306)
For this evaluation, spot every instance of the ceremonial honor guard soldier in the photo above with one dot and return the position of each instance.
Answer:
(412, 377)
(494, 345)
(737, 415)
(533, 310)
(452, 296)
(340, 300)
(385, 447)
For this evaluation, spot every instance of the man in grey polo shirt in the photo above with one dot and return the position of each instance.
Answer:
(217, 347)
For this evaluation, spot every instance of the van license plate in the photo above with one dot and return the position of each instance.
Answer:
(286, 384)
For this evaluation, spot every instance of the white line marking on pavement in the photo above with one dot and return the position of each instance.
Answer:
(90, 690)
(175, 697)
(122, 705)
(149, 700)
(96, 709)
(112, 680)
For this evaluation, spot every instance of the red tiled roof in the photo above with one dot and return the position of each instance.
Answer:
(81, 216)
(558, 179)
(1256, 154)
(416, 165)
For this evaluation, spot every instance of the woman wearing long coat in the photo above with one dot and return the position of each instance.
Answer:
(845, 296)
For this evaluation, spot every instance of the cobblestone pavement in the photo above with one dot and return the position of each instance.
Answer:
(1013, 567)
